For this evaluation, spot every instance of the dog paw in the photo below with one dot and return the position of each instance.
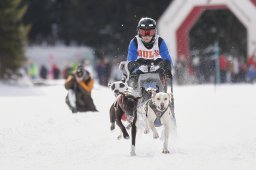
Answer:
(146, 131)
(126, 137)
(155, 136)
(119, 137)
(132, 153)
(165, 151)
(112, 127)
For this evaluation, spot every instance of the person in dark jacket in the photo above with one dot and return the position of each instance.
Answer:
(43, 72)
(79, 86)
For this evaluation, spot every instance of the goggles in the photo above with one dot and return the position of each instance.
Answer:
(150, 32)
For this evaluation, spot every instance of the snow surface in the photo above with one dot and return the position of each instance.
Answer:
(216, 131)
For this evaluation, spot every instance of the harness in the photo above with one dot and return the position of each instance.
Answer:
(120, 103)
(157, 112)
(136, 42)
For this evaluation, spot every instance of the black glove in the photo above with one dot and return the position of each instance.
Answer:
(133, 66)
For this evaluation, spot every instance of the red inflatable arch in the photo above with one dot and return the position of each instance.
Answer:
(176, 22)
(182, 33)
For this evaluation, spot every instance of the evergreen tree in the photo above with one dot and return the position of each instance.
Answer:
(12, 37)
(42, 16)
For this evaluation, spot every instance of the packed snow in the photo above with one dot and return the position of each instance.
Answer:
(216, 130)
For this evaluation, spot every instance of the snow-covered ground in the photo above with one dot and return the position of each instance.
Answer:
(216, 130)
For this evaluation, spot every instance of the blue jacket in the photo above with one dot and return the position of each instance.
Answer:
(163, 50)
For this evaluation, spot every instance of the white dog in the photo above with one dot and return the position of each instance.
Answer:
(158, 113)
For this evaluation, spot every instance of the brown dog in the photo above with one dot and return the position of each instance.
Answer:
(125, 103)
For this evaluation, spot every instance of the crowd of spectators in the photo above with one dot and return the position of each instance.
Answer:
(202, 69)
(197, 70)
(102, 70)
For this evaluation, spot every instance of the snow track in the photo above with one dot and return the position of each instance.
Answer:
(216, 130)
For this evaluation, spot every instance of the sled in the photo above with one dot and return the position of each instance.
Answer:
(143, 77)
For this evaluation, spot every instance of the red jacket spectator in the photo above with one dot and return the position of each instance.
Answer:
(223, 62)
(251, 61)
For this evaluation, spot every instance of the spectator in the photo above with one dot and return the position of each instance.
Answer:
(80, 85)
(66, 71)
(32, 71)
(55, 71)
(103, 70)
(223, 68)
(43, 72)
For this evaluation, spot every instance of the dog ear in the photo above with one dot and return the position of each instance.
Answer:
(170, 94)
(142, 89)
(109, 83)
(153, 93)
(157, 88)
